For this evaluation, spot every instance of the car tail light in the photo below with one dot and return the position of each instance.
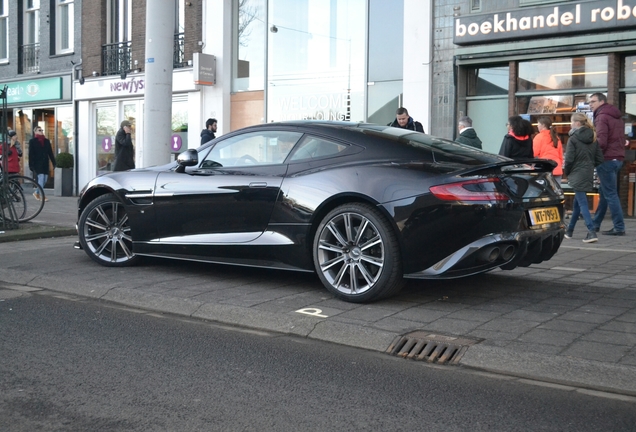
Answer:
(470, 190)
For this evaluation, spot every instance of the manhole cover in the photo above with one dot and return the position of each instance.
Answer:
(432, 347)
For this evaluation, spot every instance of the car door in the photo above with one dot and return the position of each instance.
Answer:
(229, 198)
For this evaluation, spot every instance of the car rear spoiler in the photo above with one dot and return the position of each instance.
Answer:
(513, 166)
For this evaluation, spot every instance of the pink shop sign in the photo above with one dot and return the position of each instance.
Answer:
(130, 86)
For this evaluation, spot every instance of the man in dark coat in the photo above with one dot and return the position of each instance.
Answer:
(467, 134)
(404, 121)
(610, 134)
(40, 152)
(207, 134)
(124, 150)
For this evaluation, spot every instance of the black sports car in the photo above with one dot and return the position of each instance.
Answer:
(362, 205)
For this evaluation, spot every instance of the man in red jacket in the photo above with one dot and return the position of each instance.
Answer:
(610, 134)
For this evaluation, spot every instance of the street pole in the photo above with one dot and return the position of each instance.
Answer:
(160, 19)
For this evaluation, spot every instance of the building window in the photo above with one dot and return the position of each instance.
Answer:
(248, 71)
(178, 56)
(64, 27)
(30, 52)
(117, 53)
(475, 5)
(4, 36)
(566, 73)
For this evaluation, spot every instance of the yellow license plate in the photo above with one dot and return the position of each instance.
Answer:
(544, 215)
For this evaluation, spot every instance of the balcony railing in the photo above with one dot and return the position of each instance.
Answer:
(178, 57)
(30, 58)
(116, 58)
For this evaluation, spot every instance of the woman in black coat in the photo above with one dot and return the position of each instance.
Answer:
(40, 152)
(581, 156)
(517, 144)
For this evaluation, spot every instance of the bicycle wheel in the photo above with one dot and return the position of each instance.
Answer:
(28, 197)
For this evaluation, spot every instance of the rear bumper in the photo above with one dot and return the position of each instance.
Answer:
(508, 251)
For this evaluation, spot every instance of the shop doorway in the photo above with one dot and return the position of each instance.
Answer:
(489, 120)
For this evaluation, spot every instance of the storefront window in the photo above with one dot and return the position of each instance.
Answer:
(249, 44)
(488, 81)
(559, 74)
(64, 118)
(106, 126)
(179, 127)
(385, 59)
(316, 60)
(629, 77)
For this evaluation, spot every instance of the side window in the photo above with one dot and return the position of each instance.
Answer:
(314, 148)
(256, 148)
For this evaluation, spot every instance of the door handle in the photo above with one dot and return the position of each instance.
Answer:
(258, 184)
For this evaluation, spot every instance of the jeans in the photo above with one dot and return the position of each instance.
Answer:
(607, 174)
(580, 207)
(42, 178)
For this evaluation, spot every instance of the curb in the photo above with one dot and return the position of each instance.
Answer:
(29, 231)
(588, 374)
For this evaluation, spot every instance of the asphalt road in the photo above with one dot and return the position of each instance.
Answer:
(74, 364)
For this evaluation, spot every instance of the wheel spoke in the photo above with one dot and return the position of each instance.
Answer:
(101, 212)
(123, 220)
(361, 231)
(329, 247)
(372, 260)
(328, 264)
(101, 247)
(348, 227)
(372, 242)
(365, 274)
(353, 280)
(334, 230)
(95, 224)
(339, 276)
(124, 248)
(97, 236)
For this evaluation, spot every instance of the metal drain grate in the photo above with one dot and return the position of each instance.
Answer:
(431, 347)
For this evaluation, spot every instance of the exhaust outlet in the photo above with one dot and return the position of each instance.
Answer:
(508, 252)
(489, 254)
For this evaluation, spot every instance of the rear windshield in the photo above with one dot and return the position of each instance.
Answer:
(438, 149)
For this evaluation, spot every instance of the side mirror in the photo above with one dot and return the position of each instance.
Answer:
(188, 158)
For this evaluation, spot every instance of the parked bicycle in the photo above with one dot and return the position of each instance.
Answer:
(25, 195)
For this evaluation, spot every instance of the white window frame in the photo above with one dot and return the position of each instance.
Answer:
(119, 19)
(64, 26)
(31, 22)
(4, 34)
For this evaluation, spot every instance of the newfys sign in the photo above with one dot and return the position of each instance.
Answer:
(561, 19)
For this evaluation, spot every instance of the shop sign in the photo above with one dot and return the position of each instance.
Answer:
(34, 90)
(563, 19)
(132, 86)
(204, 68)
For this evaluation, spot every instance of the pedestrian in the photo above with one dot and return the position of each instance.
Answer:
(467, 134)
(124, 150)
(610, 132)
(581, 156)
(208, 134)
(404, 121)
(40, 153)
(547, 145)
(14, 153)
(517, 143)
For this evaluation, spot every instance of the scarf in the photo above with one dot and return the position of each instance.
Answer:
(41, 139)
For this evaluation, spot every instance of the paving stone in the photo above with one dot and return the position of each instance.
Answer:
(421, 314)
(538, 348)
(452, 326)
(529, 315)
(619, 326)
(397, 325)
(511, 325)
(540, 336)
(568, 326)
(367, 313)
(611, 337)
(587, 317)
(474, 315)
(490, 335)
(596, 351)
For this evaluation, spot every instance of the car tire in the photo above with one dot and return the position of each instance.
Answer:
(356, 254)
(105, 234)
